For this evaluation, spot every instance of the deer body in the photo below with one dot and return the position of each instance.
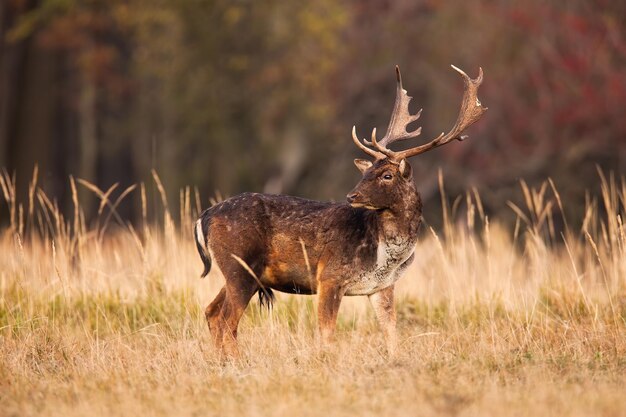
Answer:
(289, 241)
(273, 242)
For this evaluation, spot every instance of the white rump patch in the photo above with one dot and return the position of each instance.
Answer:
(200, 235)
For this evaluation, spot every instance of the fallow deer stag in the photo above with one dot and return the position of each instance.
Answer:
(275, 242)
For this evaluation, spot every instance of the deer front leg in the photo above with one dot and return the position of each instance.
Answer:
(329, 299)
(382, 302)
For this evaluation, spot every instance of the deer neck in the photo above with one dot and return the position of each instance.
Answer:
(402, 220)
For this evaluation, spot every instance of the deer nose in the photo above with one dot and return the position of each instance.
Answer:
(352, 197)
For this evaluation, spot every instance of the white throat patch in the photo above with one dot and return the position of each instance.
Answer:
(390, 255)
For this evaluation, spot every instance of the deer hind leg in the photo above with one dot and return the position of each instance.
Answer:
(382, 302)
(225, 312)
(237, 299)
(214, 318)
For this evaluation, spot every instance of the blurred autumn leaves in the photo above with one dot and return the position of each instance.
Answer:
(241, 95)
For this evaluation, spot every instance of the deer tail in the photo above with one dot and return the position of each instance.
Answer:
(266, 297)
(201, 245)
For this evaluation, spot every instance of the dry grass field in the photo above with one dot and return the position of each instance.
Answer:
(493, 321)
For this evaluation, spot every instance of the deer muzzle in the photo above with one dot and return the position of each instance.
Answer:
(355, 199)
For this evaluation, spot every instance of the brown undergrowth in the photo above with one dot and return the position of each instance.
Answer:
(105, 320)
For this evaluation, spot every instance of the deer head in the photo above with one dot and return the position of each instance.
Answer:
(386, 180)
(384, 184)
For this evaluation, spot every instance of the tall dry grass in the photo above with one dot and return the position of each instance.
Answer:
(106, 319)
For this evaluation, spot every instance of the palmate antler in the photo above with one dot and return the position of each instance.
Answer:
(471, 111)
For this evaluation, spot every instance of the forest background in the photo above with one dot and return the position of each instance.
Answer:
(232, 96)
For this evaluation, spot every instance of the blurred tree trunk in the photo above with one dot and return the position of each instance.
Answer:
(12, 57)
(88, 144)
(12, 65)
(30, 121)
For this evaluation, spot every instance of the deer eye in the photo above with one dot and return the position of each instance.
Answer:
(387, 176)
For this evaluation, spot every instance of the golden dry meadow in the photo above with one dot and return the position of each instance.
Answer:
(107, 319)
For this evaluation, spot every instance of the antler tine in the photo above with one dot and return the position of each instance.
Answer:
(471, 110)
(401, 117)
(375, 154)
(376, 144)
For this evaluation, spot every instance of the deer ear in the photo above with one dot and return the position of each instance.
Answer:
(405, 169)
(362, 164)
